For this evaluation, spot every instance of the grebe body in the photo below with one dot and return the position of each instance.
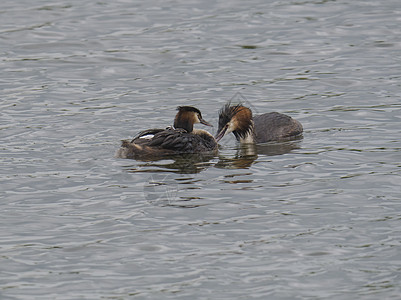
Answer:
(262, 128)
(180, 139)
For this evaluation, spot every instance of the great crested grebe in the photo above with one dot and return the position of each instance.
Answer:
(262, 128)
(182, 138)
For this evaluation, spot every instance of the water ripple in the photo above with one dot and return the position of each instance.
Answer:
(312, 218)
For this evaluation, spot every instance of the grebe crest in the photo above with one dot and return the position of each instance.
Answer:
(236, 119)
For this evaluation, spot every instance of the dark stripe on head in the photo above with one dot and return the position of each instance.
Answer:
(189, 108)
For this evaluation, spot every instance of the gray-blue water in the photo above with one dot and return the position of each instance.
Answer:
(318, 218)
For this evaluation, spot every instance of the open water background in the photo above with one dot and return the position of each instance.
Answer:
(318, 218)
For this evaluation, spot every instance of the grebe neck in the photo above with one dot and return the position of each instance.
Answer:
(248, 139)
(246, 134)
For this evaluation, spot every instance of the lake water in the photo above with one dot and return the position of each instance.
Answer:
(317, 218)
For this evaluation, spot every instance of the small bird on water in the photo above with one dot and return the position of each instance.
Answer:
(262, 128)
(181, 138)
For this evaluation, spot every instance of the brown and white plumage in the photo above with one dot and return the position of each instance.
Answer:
(181, 138)
(262, 128)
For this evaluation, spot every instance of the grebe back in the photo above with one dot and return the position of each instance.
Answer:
(181, 138)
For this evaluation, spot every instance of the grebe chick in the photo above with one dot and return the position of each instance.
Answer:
(262, 128)
(181, 138)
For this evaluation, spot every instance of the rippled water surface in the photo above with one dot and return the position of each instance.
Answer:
(317, 218)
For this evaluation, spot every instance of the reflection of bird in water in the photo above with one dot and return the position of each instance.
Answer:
(247, 154)
(182, 138)
(268, 149)
(181, 164)
(262, 128)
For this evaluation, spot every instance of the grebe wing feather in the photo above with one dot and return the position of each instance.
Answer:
(275, 126)
(177, 140)
(144, 133)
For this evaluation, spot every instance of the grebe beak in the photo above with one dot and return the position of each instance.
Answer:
(202, 121)
(222, 133)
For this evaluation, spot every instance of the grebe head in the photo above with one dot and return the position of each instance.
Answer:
(236, 119)
(187, 116)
